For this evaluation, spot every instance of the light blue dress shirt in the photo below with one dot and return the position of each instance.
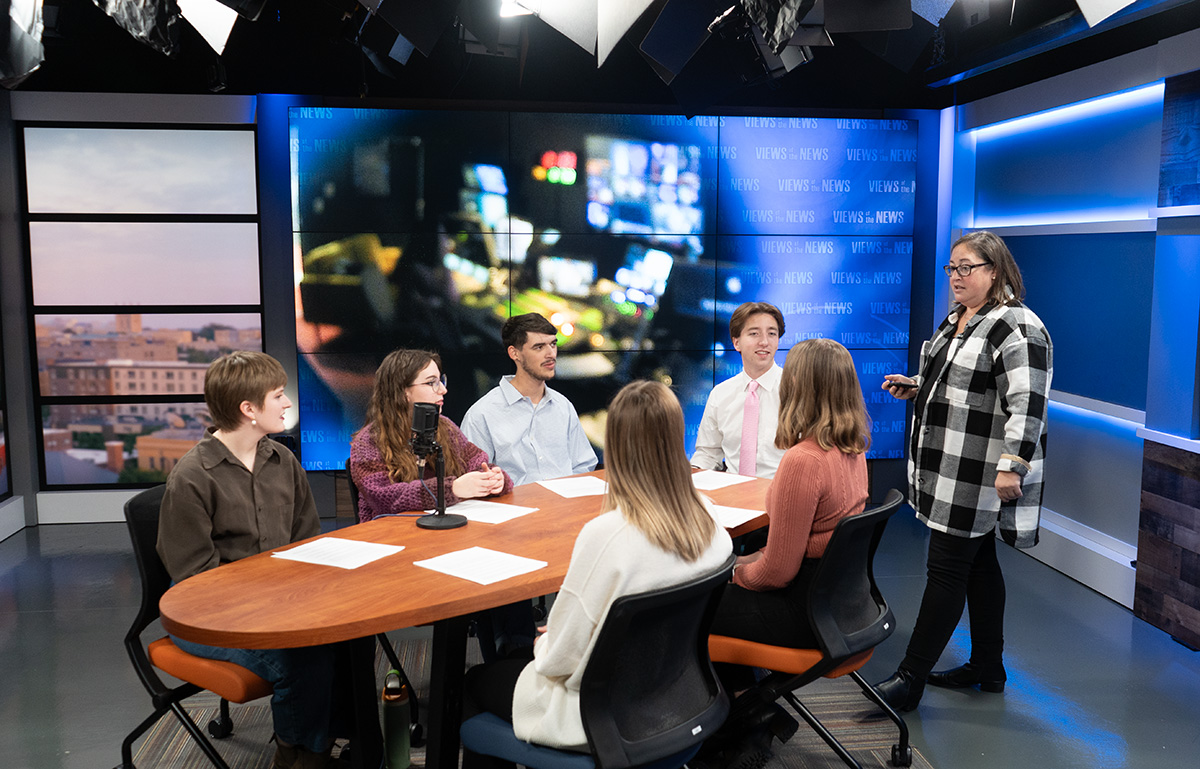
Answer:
(530, 442)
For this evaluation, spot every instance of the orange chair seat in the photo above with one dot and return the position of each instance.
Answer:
(231, 681)
(738, 651)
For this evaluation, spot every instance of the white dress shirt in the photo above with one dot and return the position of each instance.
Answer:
(720, 435)
(530, 442)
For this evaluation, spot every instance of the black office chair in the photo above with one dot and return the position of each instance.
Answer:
(233, 683)
(385, 643)
(649, 696)
(850, 618)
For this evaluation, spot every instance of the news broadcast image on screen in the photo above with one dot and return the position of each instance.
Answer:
(635, 235)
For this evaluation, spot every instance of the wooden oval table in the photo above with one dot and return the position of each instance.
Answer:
(263, 602)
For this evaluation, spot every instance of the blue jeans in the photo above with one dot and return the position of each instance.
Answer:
(302, 705)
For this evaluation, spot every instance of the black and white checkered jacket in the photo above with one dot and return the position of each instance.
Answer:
(985, 413)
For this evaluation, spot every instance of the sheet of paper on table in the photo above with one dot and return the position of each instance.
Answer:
(732, 517)
(481, 565)
(711, 480)
(483, 511)
(582, 486)
(335, 551)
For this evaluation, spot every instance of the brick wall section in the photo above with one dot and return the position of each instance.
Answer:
(1168, 566)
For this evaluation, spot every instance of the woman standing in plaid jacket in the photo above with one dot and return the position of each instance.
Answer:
(975, 461)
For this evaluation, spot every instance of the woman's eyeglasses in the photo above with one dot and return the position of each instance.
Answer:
(963, 269)
(437, 385)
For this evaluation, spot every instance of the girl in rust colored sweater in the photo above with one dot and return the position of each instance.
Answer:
(822, 478)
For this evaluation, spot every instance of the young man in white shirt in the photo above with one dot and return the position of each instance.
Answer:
(533, 433)
(530, 430)
(740, 417)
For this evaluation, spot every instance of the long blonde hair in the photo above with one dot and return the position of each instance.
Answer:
(820, 397)
(389, 417)
(649, 477)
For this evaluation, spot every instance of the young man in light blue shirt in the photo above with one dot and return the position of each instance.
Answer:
(528, 429)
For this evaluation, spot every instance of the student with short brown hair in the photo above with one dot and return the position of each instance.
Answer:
(238, 493)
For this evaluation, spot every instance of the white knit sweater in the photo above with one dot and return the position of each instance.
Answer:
(611, 558)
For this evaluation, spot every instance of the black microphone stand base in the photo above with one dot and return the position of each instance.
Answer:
(441, 521)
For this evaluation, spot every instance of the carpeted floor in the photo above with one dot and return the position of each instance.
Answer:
(865, 732)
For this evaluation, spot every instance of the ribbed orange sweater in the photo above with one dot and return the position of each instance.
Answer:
(812, 490)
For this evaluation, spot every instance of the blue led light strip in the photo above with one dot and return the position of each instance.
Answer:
(1083, 110)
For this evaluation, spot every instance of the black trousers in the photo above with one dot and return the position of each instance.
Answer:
(489, 688)
(959, 571)
(775, 617)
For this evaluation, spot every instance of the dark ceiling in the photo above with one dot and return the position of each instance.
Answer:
(304, 46)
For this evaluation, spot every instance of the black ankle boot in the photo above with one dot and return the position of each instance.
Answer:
(989, 678)
(902, 691)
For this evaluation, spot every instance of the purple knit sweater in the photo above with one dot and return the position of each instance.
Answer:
(379, 495)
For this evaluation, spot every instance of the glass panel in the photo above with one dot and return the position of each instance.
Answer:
(111, 443)
(140, 171)
(140, 263)
(136, 354)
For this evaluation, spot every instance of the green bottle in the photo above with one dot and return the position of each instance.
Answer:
(396, 721)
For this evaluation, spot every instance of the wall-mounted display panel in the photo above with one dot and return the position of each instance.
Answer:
(636, 235)
(144, 263)
(100, 443)
(79, 170)
(136, 353)
(144, 268)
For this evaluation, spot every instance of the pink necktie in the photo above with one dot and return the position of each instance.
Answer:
(748, 455)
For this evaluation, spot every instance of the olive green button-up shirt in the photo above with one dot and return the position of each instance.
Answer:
(216, 511)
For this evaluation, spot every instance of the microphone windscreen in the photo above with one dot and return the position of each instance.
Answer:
(425, 418)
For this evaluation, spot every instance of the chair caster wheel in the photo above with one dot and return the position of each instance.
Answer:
(901, 757)
(219, 729)
(416, 736)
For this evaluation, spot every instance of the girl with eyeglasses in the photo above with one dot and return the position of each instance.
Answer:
(975, 460)
(382, 463)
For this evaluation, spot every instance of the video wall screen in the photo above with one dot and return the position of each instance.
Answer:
(636, 235)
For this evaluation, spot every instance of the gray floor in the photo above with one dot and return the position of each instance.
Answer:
(1089, 685)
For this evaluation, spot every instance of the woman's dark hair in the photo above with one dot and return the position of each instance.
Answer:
(988, 246)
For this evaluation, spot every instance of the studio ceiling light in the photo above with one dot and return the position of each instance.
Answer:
(509, 8)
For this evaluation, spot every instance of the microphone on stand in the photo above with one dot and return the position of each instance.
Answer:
(424, 431)
(424, 442)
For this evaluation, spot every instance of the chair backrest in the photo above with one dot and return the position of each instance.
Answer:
(353, 490)
(141, 516)
(845, 607)
(649, 690)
